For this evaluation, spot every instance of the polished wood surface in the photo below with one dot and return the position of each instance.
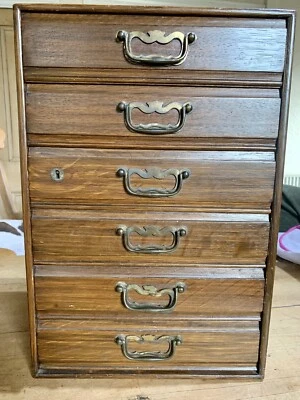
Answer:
(26, 209)
(16, 383)
(216, 179)
(220, 240)
(92, 110)
(58, 40)
(61, 236)
(278, 184)
(104, 142)
(231, 291)
(230, 79)
(91, 344)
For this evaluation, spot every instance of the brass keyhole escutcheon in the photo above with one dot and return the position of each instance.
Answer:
(57, 174)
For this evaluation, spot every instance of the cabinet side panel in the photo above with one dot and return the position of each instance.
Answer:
(280, 156)
(25, 189)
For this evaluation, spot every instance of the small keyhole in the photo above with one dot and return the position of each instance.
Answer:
(57, 174)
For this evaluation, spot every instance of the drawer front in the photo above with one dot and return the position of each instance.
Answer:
(218, 179)
(88, 291)
(161, 113)
(122, 238)
(101, 344)
(189, 43)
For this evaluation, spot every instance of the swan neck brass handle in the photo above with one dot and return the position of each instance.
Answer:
(155, 173)
(148, 231)
(150, 291)
(155, 36)
(171, 341)
(154, 107)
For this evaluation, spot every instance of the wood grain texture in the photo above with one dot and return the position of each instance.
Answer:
(221, 292)
(91, 110)
(81, 344)
(282, 370)
(58, 40)
(25, 188)
(217, 179)
(151, 77)
(157, 10)
(275, 216)
(105, 142)
(74, 242)
(61, 236)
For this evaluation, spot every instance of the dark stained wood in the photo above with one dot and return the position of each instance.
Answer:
(61, 236)
(231, 292)
(65, 343)
(217, 179)
(59, 40)
(91, 110)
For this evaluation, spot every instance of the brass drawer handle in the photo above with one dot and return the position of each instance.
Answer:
(154, 173)
(154, 107)
(148, 231)
(172, 341)
(156, 37)
(152, 291)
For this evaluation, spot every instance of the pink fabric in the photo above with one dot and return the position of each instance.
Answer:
(288, 245)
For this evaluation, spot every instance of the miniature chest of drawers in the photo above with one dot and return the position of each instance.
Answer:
(151, 143)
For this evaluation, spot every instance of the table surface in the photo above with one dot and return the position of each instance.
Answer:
(282, 380)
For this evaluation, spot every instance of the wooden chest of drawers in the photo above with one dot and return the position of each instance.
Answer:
(152, 140)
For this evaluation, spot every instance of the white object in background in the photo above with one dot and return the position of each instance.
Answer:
(12, 236)
(2, 139)
(288, 245)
